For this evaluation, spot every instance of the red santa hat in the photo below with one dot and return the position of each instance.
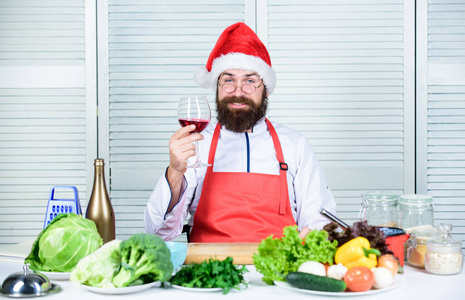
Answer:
(238, 47)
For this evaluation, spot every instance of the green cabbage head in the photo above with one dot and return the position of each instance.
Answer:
(63, 243)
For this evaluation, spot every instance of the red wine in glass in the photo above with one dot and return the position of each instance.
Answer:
(194, 110)
(199, 124)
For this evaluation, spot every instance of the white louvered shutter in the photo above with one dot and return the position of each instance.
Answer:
(344, 80)
(442, 102)
(154, 48)
(42, 110)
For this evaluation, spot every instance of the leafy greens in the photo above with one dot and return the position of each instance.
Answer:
(360, 228)
(61, 245)
(142, 258)
(98, 268)
(277, 257)
(213, 273)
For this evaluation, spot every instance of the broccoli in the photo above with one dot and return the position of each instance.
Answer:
(144, 258)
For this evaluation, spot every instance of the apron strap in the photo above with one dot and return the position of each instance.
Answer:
(282, 169)
(284, 196)
(211, 154)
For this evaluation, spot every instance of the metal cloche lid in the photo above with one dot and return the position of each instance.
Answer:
(28, 284)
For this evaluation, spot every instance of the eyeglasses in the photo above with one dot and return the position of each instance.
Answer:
(246, 88)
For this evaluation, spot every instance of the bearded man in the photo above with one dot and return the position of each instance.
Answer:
(263, 176)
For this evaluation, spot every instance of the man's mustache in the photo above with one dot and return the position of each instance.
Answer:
(241, 100)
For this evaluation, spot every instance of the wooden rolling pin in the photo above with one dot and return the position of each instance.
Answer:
(240, 252)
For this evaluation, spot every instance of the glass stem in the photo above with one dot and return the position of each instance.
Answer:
(197, 158)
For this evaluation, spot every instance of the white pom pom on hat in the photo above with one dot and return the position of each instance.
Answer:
(238, 47)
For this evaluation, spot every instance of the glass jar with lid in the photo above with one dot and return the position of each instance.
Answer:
(416, 210)
(416, 248)
(443, 253)
(380, 209)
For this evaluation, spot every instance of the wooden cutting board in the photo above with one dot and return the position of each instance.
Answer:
(240, 252)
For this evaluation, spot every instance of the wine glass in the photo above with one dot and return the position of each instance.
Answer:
(194, 110)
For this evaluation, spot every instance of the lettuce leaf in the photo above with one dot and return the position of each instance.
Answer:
(277, 257)
(361, 228)
(98, 268)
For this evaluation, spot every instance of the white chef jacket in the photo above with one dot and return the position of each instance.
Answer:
(246, 152)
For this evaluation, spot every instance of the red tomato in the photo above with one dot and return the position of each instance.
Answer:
(359, 279)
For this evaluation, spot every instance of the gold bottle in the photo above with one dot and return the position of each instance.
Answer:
(99, 208)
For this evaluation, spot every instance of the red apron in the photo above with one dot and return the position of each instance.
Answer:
(242, 207)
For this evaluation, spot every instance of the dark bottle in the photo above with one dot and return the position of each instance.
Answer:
(99, 208)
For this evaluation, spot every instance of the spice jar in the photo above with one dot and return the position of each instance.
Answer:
(443, 253)
(415, 210)
(380, 209)
(416, 251)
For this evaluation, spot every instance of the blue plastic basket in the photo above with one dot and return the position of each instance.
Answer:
(58, 206)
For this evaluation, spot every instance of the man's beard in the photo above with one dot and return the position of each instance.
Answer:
(240, 120)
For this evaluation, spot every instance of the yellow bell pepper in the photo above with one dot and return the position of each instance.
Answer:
(357, 252)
